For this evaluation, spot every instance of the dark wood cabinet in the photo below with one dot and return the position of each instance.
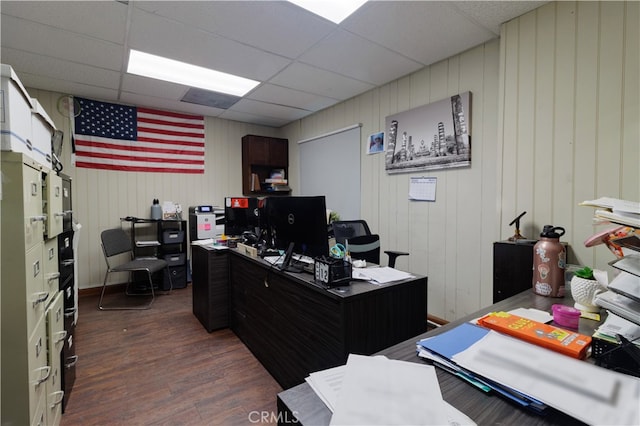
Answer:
(261, 155)
(512, 268)
(210, 284)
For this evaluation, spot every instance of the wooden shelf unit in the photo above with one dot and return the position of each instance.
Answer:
(261, 155)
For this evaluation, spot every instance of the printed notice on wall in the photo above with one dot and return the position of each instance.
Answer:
(422, 189)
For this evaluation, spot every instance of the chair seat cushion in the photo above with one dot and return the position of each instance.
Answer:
(151, 265)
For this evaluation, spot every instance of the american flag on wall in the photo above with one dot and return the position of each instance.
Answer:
(119, 137)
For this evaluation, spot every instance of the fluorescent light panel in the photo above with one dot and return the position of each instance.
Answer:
(333, 10)
(160, 68)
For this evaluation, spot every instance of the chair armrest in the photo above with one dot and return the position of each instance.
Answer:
(393, 255)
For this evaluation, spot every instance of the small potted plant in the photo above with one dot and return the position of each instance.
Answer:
(584, 289)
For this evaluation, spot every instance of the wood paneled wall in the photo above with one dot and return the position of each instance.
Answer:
(569, 118)
(554, 122)
(450, 239)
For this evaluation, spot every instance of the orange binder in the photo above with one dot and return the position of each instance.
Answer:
(556, 339)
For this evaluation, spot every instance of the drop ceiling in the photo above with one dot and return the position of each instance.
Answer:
(304, 63)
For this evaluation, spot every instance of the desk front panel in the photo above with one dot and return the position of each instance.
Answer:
(295, 327)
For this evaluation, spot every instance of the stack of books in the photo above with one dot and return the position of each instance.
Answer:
(277, 181)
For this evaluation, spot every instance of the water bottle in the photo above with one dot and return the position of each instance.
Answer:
(549, 263)
(156, 210)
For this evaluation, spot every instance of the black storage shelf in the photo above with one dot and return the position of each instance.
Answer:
(162, 239)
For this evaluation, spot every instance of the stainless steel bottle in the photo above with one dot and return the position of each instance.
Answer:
(156, 210)
(549, 261)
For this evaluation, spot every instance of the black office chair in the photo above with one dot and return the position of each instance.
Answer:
(116, 241)
(344, 230)
(364, 247)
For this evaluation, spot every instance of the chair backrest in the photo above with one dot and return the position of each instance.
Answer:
(344, 229)
(115, 241)
(365, 247)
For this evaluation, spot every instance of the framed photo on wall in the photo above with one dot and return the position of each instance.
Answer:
(433, 136)
(375, 143)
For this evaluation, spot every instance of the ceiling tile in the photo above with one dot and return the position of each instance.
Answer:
(325, 83)
(270, 110)
(59, 69)
(295, 98)
(61, 44)
(76, 16)
(159, 36)
(421, 30)
(251, 118)
(274, 26)
(359, 59)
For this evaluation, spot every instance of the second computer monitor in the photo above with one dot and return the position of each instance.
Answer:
(299, 220)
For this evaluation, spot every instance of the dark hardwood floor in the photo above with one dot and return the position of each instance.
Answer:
(161, 367)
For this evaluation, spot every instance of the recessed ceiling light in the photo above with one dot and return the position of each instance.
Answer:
(153, 66)
(333, 10)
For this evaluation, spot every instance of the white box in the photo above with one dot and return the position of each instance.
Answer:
(42, 129)
(15, 113)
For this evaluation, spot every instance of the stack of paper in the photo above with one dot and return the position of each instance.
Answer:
(380, 275)
(442, 348)
(529, 373)
(615, 210)
(380, 391)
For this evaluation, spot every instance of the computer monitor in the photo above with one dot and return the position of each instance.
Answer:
(241, 214)
(298, 220)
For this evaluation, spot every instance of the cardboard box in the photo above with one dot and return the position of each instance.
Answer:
(42, 129)
(15, 114)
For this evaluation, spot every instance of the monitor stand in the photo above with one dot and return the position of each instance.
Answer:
(286, 264)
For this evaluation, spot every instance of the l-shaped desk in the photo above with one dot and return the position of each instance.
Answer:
(295, 326)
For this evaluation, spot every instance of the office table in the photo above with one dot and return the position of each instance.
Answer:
(294, 326)
(301, 403)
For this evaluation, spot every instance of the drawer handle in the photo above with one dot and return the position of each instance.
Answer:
(61, 214)
(61, 336)
(73, 360)
(69, 312)
(43, 372)
(53, 276)
(40, 297)
(68, 262)
(59, 395)
(38, 218)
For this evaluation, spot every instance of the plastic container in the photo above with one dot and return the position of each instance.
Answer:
(566, 316)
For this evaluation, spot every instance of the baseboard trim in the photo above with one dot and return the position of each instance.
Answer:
(436, 321)
(95, 291)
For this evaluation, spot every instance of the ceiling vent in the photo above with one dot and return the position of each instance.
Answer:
(209, 98)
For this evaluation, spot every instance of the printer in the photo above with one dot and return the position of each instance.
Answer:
(205, 222)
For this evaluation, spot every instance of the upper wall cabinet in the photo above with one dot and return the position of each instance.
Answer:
(262, 158)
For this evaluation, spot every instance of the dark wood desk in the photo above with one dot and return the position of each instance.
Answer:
(302, 404)
(295, 326)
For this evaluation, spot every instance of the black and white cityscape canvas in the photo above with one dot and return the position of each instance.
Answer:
(433, 136)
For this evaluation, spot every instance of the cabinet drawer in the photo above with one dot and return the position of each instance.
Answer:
(36, 297)
(40, 416)
(39, 371)
(32, 197)
(51, 274)
(53, 202)
(55, 338)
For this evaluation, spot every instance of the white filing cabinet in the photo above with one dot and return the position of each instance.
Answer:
(29, 288)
